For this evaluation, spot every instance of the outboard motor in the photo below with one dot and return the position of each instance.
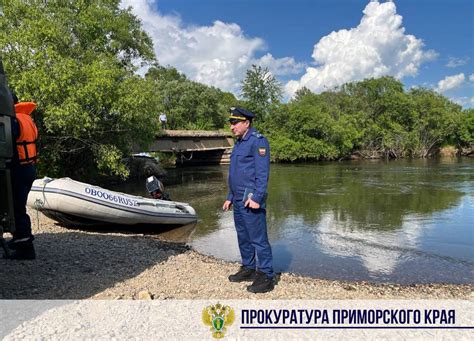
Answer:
(154, 185)
(156, 189)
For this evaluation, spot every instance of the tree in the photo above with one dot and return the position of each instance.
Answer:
(465, 132)
(192, 105)
(261, 90)
(384, 113)
(75, 59)
(373, 118)
(301, 93)
(166, 74)
(369, 95)
(438, 119)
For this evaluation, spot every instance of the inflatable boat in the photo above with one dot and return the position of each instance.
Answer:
(76, 203)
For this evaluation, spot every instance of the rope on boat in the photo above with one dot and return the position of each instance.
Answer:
(39, 204)
(37, 215)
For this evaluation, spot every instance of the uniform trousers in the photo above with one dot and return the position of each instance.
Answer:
(251, 226)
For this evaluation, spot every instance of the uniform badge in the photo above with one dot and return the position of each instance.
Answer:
(262, 151)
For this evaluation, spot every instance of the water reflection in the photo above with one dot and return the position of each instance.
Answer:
(379, 251)
(403, 221)
(222, 241)
(178, 234)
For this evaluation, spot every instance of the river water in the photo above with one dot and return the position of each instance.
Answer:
(404, 221)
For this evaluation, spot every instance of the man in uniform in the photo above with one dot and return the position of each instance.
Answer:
(248, 179)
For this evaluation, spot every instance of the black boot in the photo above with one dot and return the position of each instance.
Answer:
(14, 241)
(22, 251)
(244, 274)
(262, 283)
(11, 244)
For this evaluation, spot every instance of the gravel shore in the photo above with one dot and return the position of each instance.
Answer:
(77, 264)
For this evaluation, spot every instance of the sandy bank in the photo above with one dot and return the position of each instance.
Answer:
(75, 264)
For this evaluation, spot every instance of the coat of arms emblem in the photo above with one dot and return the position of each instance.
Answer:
(218, 317)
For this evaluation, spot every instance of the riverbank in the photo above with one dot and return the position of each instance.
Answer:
(76, 264)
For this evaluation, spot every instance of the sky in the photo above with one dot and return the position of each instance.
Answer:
(319, 44)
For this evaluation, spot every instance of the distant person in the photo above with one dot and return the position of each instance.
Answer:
(23, 173)
(248, 180)
(163, 120)
(156, 189)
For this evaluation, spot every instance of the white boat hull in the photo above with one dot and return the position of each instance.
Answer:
(92, 205)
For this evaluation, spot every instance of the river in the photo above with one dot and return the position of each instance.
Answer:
(404, 221)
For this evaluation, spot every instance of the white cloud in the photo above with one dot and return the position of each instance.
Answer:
(378, 46)
(216, 55)
(456, 62)
(471, 77)
(281, 66)
(450, 82)
(464, 101)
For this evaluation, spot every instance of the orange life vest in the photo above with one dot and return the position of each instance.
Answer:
(26, 142)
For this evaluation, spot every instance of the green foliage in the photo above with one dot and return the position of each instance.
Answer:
(371, 118)
(300, 93)
(166, 74)
(464, 135)
(261, 90)
(166, 160)
(74, 58)
(78, 60)
(310, 132)
(188, 104)
(437, 119)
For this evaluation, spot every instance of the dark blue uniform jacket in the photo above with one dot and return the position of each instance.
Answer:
(249, 167)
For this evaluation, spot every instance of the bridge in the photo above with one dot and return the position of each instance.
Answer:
(195, 146)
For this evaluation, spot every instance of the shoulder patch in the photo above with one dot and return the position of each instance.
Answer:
(262, 151)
